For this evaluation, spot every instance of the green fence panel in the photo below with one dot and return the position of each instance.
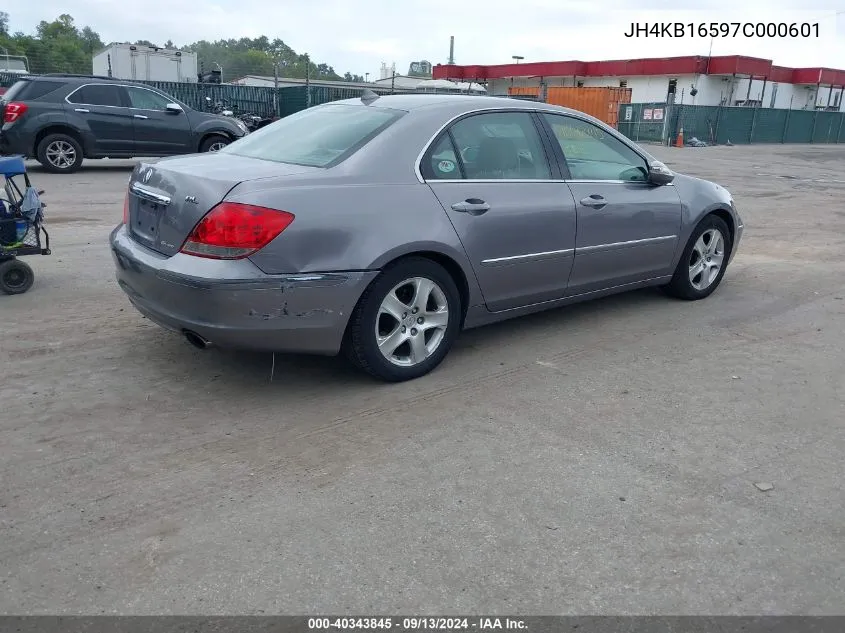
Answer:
(825, 127)
(799, 127)
(696, 121)
(769, 124)
(636, 127)
(735, 125)
(840, 134)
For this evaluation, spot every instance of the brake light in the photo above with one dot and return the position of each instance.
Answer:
(126, 209)
(233, 231)
(14, 111)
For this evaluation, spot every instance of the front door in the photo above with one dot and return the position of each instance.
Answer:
(491, 173)
(102, 109)
(158, 131)
(627, 228)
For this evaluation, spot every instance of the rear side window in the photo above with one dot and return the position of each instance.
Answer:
(317, 137)
(15, 91)
(96, 94)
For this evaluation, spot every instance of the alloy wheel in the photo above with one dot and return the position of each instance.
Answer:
(60, 154)
(411, 322)
(708, 254)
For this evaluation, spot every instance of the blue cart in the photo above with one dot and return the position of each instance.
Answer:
(21, 226)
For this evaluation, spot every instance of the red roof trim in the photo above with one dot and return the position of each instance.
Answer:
(691, 65)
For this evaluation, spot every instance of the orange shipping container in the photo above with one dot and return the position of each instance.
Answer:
(602, 103)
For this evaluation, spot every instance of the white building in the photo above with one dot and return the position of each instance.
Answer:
(695, 80)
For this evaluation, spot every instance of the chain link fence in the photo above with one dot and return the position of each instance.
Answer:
(719, 125)
(258, 100)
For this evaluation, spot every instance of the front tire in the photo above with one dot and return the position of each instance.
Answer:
(15, 277)
(59, 154)
(214, 143)
(405, 322)
(703, 262)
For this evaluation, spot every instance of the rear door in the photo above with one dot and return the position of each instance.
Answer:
(627, 227)
(157, 130)
(103, 109)
(513, 214)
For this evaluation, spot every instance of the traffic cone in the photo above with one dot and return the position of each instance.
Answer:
(679, 142)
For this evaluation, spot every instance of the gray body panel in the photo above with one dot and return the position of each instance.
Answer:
(537, 246)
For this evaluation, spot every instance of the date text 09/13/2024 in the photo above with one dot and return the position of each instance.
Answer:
(415, 623)
(772, 30)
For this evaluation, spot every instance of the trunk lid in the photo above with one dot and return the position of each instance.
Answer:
(168, 198)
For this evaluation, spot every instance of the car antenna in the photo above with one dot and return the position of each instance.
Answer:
(368, 97)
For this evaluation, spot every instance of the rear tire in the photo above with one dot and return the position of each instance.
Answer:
(59, 154)
(15, 277)
(703, 262)
(214, 143)
(405, 322)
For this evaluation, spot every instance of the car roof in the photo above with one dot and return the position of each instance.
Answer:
(456, 103)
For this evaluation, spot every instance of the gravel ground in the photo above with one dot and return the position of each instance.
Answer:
(599, 459)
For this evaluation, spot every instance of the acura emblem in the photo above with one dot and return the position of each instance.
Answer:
(147, 175)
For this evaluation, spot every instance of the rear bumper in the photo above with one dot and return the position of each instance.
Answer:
(234, 304)
(12, 141)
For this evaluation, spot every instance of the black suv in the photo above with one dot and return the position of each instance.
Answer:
(61, 119)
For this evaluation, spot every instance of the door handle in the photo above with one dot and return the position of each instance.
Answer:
(139, 116)
(594, 201)
(83, 110)
(473, 206)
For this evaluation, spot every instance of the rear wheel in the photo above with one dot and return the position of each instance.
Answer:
(703, 262)
(15, 277)
(214, 143)
(59, 153)
(406, 321)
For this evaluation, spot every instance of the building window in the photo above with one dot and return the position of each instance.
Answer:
(623, 83)
(673, 86)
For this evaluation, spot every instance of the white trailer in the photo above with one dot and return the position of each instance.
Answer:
(145, 63)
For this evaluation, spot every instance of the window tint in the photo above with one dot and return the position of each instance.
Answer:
(97, 94)
(317, 137)
(37, 89)
(441, 163)
(593, 154)
(501, 146)
(146, 99)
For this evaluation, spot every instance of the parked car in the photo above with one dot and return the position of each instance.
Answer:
(62, 119)
(384, 226)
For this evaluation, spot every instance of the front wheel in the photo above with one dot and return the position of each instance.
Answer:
(59, 153)
(703, 262)
(15, 277)
(405, 322)
(214, 143)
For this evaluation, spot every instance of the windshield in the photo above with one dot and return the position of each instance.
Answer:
(12, 65)
(316, 137)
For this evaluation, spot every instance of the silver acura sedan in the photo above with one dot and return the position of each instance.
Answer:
(383, 226)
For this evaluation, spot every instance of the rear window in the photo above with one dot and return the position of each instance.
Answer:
(13, 93)
(317, 137)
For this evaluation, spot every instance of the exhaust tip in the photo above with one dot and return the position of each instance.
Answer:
(196, 340)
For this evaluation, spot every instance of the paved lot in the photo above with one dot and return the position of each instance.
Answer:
(597, 459)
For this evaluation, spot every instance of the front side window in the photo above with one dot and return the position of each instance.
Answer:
(317, 137)
(96, 94)
(500, 146)
(146, 99)
(593, 154)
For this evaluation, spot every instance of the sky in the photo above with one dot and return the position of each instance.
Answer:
(359, 36)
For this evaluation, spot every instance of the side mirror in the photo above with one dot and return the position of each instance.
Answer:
(173, 108)
(659, 174)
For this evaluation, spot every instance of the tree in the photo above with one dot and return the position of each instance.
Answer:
(61, 46)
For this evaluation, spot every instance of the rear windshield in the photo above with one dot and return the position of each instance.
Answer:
(28, 90)
(316, 137)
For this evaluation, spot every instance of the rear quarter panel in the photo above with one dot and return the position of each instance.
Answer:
(343, 227)
(202, 125)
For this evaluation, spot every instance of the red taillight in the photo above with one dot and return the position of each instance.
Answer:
(232, 231)
(14, 111)
(126, 209)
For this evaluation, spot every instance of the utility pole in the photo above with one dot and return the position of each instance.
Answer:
(451, 50)
(307, 81)
(393, 81)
